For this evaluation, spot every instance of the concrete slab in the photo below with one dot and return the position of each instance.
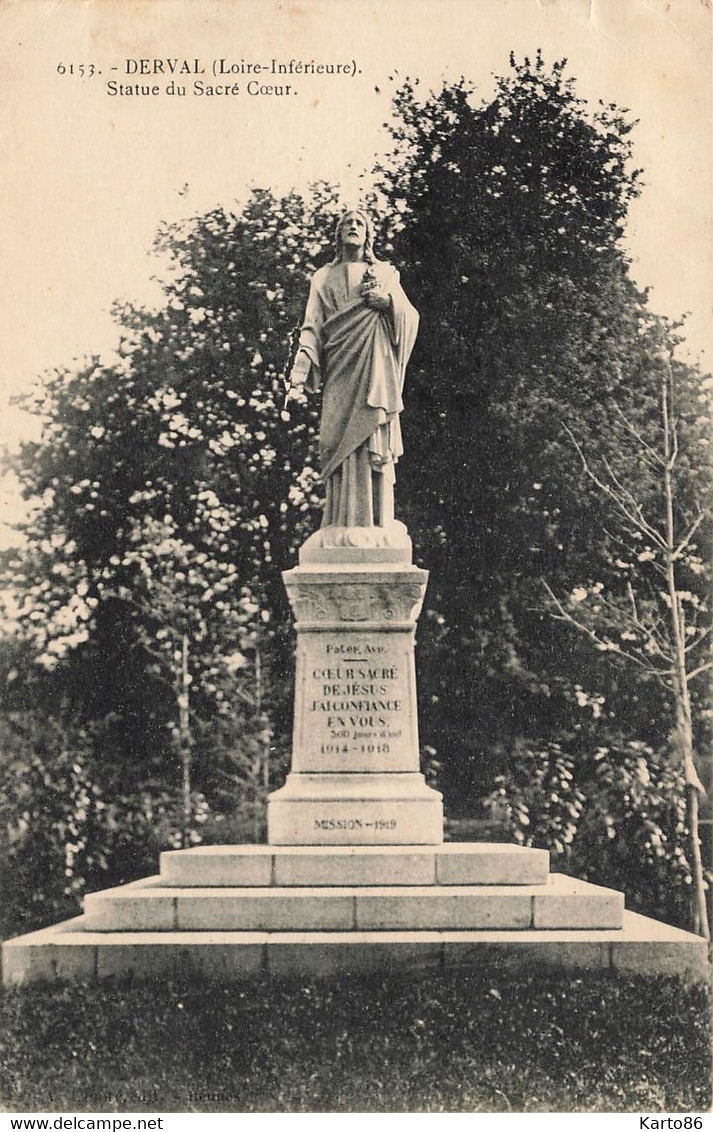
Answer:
(503, 950)
(217, 955)
(320, 954)
(570, 903)
(419, 909)
(61, 952)
(207, 865)
(473, 863)
(131, 908)
(560, 903)
(253, 866)
(221, 960)
(649, 945)
(71, 952)
(265, 909)
(355, 866)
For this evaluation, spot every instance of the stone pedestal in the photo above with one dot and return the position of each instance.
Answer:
(355, 777)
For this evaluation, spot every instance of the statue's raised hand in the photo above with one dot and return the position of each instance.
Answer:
(377, 299)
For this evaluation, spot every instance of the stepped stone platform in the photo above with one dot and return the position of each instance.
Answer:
(232, 912)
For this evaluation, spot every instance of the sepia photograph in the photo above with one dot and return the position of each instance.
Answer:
(356, 559)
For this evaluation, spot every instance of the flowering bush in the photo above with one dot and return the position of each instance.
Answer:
(617, 817)
(61, 837)
(542, 803)
(633, 832)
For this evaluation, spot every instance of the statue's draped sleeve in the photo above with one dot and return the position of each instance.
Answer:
(310, 335)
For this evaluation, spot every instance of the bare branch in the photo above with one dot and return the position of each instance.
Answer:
(650, 631)
(701, 668)
(635, 433)
(160, 679)
(617, 539)
(674, 447)
(636, 517)
(699, 639)
(651, 634)
(244, 696)
(603, 646)
(686, 540)
(160, 657)
(631, 550)
(655, 596)
(638, 510)
(632, 601)
(669, 419)
(653, 628)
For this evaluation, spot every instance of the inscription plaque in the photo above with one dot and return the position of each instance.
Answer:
(355, 702)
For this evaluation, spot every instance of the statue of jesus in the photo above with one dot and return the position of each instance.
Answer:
(356, 339)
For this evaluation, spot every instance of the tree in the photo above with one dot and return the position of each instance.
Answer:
(507, 220)
(659, 620)
(170, 474)
(191, 634)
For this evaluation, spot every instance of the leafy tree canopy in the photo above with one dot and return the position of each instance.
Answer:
(173, 487)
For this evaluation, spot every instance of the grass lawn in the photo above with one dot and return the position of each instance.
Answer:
(464, 1041)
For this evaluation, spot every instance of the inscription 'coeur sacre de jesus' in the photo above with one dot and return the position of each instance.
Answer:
(356, 696)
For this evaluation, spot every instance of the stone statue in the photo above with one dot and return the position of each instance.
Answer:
(356, 339)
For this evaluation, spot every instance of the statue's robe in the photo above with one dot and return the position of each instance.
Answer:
(358, 357)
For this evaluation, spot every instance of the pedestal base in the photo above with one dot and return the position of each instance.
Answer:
(355, 809)
(231, 912)
(355, 776)
(356, 545)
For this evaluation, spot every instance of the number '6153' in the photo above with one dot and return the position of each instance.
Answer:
(83, 70)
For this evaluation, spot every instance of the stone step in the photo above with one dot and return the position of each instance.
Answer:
(71, 952)
(254, 866)
(150, 906)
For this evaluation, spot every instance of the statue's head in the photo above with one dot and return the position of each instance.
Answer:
(352, 227)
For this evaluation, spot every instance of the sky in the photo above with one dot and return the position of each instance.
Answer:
(86, 177)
